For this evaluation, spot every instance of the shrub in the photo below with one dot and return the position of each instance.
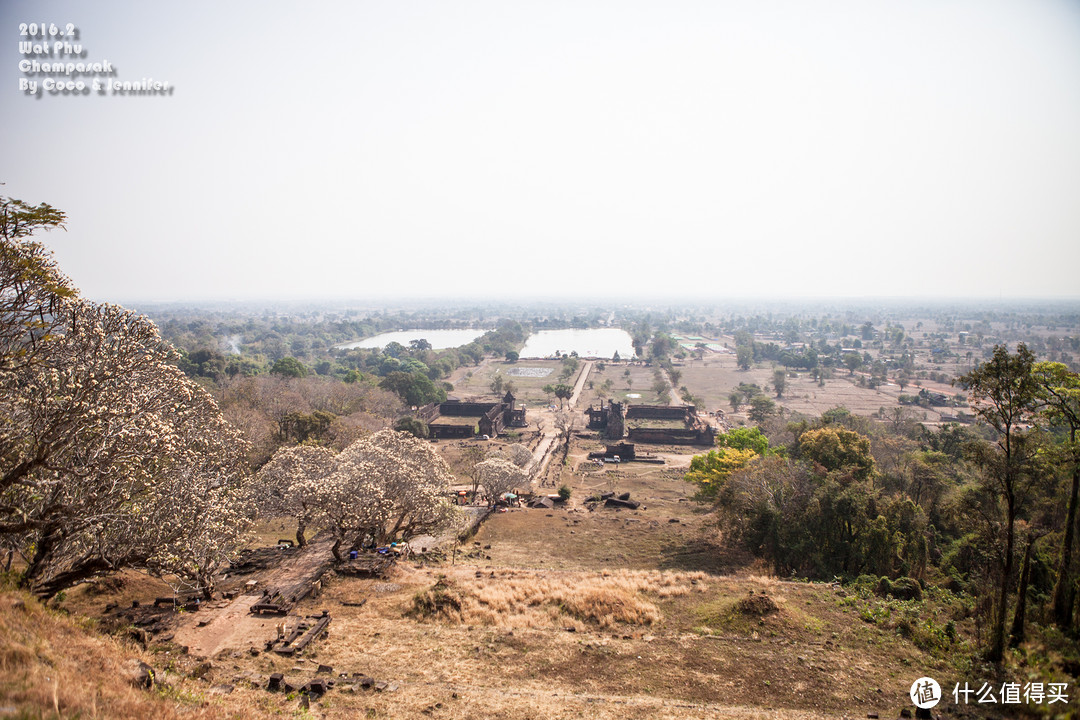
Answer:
(903, 588)
(441, 600)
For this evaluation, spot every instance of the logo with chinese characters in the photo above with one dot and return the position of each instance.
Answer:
(925, 693)
(1012, 693)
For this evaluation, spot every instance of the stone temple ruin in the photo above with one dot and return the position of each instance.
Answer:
(457, 419)
(656, 424)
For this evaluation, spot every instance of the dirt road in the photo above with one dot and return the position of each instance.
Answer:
(542, 453)
(232, 626)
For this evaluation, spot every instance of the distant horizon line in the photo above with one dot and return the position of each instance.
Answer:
(599, 300)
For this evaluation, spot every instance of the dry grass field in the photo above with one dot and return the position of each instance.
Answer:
(640, 382)
(580, 611)
(526, 375)
(565, 613)
(717, 376)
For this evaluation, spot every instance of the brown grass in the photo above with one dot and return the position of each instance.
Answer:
(56, 666)
(757, 605)
(539, 599)
(715, 378)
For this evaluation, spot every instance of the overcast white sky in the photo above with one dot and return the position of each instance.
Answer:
(560, 149)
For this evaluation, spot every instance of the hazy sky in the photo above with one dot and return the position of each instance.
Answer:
(554, 149)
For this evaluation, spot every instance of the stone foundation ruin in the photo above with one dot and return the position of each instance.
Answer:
(611, 419)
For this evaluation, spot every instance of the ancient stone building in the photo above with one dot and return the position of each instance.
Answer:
(607, 419)
(450, 419)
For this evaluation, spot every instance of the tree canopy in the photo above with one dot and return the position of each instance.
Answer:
(110, 457)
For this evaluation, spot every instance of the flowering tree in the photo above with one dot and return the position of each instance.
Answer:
(516, 453)
(203, 502)
(113, 457)
(31, 286)
(289, 483)
(499, 477)
(109, 456)
(387, 486)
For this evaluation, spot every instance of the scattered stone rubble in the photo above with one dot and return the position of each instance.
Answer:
(610, 500)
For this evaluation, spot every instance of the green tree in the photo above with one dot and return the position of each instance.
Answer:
(735, 398)
(289, 367)
(838, 449)
(419, 345)
(662, 346)
(779, 381)
(394, 349)
(852, 361)
(1003, 393)
(745, 438)
(413, 388)
(512, 356)
(903, 379)
(563, 392)
(744, 357)
(414, 426)
(1059, 391)
(749, 391)
(761, 409)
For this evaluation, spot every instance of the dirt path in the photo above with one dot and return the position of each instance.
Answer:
(542, 453)
(675, 400)
(580, 384)
(232, 626)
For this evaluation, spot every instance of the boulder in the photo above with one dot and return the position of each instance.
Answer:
(316, 687)
(139, 673)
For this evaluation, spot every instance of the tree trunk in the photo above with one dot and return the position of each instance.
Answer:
(1061, 605)
(207, 589)
(997, 632)
(80, 573)
(336, 549)
(50, 536)
(301, 541)
(1016, 634)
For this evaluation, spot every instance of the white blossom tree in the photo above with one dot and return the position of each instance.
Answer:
(384, 487)
(287, 485)
(500, 476)
(516, 453)
(109, 456)
(114, 456)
